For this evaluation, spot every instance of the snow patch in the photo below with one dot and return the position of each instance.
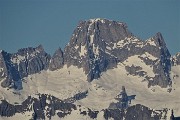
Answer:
(121, 43)
(136, 61)
(83, 51)
(151, 42)
(108, 48)
(147, 55)
(95, 50)
(114, 45)
(18, 59)
(76, 47)
(91, 39)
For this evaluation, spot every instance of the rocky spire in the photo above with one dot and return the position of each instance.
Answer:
(57, 60)
(156, 46)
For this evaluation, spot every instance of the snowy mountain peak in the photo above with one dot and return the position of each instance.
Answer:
(103, 20)
(90, 43)
(97, 19)
(100, 44)
(96, 46)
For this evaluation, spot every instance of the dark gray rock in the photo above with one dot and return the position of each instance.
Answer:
(12, 77)
(4, 59)
(78, 96)
(36, 59)
(116, 114)
(25, 62)
(135, 70)
(162, 67)
(123, 99)
(99, 44)
(140, 112)
(57, 60)
(135, 112)
(92, 114)
(87, 47)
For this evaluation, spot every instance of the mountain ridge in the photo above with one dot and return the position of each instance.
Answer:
(101, 56)
(97, 45)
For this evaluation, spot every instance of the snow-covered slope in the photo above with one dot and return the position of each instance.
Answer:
(66, 82)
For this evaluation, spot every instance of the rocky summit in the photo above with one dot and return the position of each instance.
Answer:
(101, 57)
(99, 44)
(96, 45)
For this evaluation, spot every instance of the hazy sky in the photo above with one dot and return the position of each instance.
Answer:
(25, 23)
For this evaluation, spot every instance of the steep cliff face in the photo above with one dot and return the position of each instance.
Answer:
(87, 47)
(31, 60)
(57, 60)
(25, 62)
(99, 44)
(156, 46)
(9, 73)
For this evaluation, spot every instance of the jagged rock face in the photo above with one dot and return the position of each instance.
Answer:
(9, 71)
(21, 64)
(99, 44)
(57, 60)
(96, 45)
(162, 65)
(3, 68)
(31, 60)
(154, 53)
(87, 47)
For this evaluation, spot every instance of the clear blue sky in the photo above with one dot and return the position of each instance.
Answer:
(26, 23)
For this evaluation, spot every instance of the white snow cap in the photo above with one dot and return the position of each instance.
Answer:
(97, 19)
(103, 20)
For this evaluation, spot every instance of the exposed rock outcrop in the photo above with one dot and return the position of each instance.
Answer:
(57, 60)
(99, 44)
(25, 62)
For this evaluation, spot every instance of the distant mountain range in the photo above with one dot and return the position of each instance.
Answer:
(82, 81)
